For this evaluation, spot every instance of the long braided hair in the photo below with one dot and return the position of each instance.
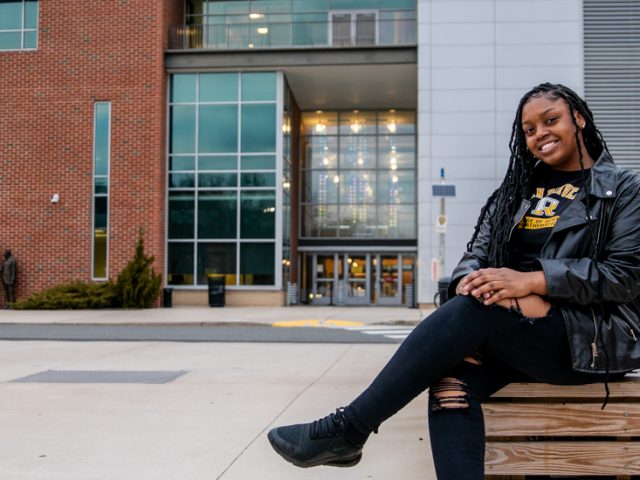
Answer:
(502, 205)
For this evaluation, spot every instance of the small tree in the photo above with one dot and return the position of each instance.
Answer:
(138, 285)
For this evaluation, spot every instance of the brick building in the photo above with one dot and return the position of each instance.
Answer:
(288, 146)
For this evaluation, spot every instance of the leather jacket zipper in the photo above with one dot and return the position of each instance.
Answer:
(633, 334)
(594, 344)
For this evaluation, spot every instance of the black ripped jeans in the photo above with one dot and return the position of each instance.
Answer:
(504, 346)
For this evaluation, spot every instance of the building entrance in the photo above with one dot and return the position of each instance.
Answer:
(359, 278)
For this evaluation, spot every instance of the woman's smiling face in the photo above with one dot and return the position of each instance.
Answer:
(550, 133)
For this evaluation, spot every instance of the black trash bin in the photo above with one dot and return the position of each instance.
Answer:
(443, 290)
(167, 300)
(216, 290)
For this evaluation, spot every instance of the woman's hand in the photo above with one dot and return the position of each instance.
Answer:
(492, 285)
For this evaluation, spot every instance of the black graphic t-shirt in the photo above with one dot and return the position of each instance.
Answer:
(552, 192)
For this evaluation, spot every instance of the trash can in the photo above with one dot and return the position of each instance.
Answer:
(443, 290)
(216, 290)
(167, 300)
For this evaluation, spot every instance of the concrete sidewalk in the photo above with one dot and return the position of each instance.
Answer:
(301, 315)
(210, 423)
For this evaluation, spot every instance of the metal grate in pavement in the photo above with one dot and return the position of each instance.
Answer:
(101, 376)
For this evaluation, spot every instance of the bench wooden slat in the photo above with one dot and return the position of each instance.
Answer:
(562, 458)
(558, 419)
(629, 387)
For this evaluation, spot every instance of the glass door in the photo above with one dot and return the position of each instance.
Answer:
(357, 284)
(324, 279)
(389, 285)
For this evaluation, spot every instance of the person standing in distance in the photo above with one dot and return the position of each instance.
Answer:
(9, 278)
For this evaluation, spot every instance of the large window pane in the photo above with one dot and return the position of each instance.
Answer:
(182, 163)
(181, 215)
(357, 221)
(218, 129)
(217, 180)
(217, 259)
(322, 153)
(320, 220)
(183, 87)
(30, 39)
(222, 162)
(323, 187)
(31, 14)
(396, 122)
(101, 211)
(180, 264)
(182, 180)
(101, 138)
(397, 151)
(258, 128)
(217, 214)
(257, 214)
(258, 86)
(10, 15)
(258, 180)
(357, 151)
(218, 87)
(183, 129)
(397, 221)
(257, 264)
(258, 162)
(357, 123)
(396, 187)
(320, 123)
(358, 187)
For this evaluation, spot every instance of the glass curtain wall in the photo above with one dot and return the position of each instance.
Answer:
(359, 174)
(222, 178)
(280, 23)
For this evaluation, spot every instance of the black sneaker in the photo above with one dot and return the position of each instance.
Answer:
(321, 442)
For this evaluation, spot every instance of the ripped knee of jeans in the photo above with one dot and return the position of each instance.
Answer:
(449, 393)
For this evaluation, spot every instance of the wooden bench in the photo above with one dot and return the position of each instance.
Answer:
(558, 431)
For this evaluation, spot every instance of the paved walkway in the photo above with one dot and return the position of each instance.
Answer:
(209, 423)
(293, 316)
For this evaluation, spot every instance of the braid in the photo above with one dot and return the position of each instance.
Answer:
(516, 184)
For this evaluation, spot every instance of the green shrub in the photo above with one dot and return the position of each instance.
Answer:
(138, 285)
(72, 296)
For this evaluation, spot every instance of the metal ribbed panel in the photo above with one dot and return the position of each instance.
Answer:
(612, 74)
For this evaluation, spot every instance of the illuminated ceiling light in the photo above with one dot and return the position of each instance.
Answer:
(391, 124)
(256, 16)
(349, 260)
(355, 264)
(336, 179)
(320, 127)
(262, 30)
(286, 185)
(355, 125)
(394, 166)
(250, 45)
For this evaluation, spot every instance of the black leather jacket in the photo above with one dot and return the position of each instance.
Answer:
(599, 299)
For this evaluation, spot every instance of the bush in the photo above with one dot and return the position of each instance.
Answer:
(138, 285)
(72, 296)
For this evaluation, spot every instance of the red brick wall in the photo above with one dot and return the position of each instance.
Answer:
(109, 50)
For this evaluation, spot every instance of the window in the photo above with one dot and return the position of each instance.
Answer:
(101, 154)
(18, 24)
(222, 178)
(359, 174)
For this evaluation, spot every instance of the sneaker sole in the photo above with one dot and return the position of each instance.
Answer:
(342, 463)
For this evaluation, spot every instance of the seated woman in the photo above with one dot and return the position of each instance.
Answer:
(547, 291)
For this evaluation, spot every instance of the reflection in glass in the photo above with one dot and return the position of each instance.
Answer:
(396, 187)
(258, 128)
(181, 163)
(217, 214)
(218, 129)
(181, 215)
(217, 180)
(219, 162)
(258, 162)
(258, 86)
(216, 259)
(183, 88)
(182, 180)
(180, 264)
(323, 187)
(218, 87)
(257, 214)
(258, 179)
(183, 129)
(357, 221)
(257, 263)
(357, 122)
(11, 15)
(357, 151)
(358, 187)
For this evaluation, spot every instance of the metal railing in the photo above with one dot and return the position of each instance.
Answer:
(238, 36)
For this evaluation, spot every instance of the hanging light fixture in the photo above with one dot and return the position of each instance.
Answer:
(256, 16)
(355, 124)
(320, 126)
(391, 124)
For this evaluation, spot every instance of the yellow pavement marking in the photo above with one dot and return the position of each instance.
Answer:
(317, 323)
